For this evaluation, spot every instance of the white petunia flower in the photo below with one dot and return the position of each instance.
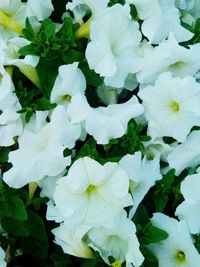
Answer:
(81, 7)
(189, 208)
(171, 106)
(53, 213)
(195, 11)
(117, 239)
(39, 9)
(92, 193)
(107, 94)
(16, 12)
(48, 185)
(168, 56)
(113, 50)
(10, 6)
(10, 121)
(160, 18)
(185, 4)
(112, 120)
(70, 81)
(142, 173)
(2, 258)
(157, 148)
(40, 153)
(71, 241)
(180, 160)
(178, 249)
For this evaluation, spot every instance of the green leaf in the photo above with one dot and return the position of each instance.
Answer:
(162, 190)
(44, 104)
(36, 226)
(28, 50)
(91, 77)
(141, 216)
(38, 201)
(4, 208)
(14, 227)
(153, 234)
(17, 208)
(28, 32)
(49, 29)
(37, 242)
(48, 71)
(148, 254)
(67, 29)
(4, 151)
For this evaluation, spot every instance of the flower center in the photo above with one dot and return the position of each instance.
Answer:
(177, 65)
(116, 263)
(66, 98)
(91, 188)
(180, 257)
(175, 106)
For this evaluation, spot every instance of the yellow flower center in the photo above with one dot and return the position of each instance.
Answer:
(116, 263)
(177, 65)
(66, 98)
(91, 188)
(175, 106)
(180, 257)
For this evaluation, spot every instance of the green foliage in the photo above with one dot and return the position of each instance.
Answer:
(134, 13)
(4, 151)
(11, 205)
(196, 30)
(147, 234)
(163, 190)
(197, 242)
(131, 142)
(152, 234)
(113, 2)
(36, 243)
(54, 47)
(117, 148)
(31, 100)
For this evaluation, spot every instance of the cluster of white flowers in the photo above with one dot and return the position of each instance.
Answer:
(94, 204)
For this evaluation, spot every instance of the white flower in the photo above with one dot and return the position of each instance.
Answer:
(53, 213)
(170, 108)
(185, 4)
(169, 56)
(70, 81)
(92, 193)
(113, 50)
(160, 18)
(107, 94)
(48, 185)
(189, 208)
(39, 9)
(40, 153)
(10, 121)
(80, 7)
(112, 120)
(117, 239)
(180, 160)
(178, 249)
(2, 258)
(195, 10)
(10, 6)
(71, 241)
(18, 11)
(142, 173)
(158, 148)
